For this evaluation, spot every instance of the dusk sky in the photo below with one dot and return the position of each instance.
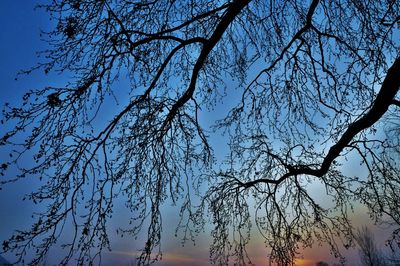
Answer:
(19, 42)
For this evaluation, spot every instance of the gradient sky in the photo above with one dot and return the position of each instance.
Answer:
(19, 40)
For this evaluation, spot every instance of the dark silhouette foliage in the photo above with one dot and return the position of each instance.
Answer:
(369, 252)
(313, 83)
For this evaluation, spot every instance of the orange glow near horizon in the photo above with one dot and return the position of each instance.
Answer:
(168, 258)
(172, 258)
(305, 262)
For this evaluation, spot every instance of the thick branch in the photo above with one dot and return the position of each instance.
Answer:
(383, 100)
(388, 91)
(235, 8)
(186, 23)
(297, 36)
(396, 102)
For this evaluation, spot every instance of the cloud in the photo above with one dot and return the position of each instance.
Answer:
(304, 262)
(168, 258)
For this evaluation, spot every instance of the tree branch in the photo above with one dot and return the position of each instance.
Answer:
(235, 8)
(383, 100)
(396, 102)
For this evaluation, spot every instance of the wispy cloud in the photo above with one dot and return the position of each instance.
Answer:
(304, 262)
(168, 258)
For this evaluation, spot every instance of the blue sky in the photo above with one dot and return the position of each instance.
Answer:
(20, 40)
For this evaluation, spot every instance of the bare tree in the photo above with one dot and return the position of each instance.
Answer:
(315, 79)
(369, 253)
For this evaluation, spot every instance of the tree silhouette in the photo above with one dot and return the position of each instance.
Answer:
(314, 83)
(369, 253)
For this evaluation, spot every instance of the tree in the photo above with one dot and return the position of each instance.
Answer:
(314, 82)
(321, 263)
(369, 253)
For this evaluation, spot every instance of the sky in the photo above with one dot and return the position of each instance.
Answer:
(19, 42)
